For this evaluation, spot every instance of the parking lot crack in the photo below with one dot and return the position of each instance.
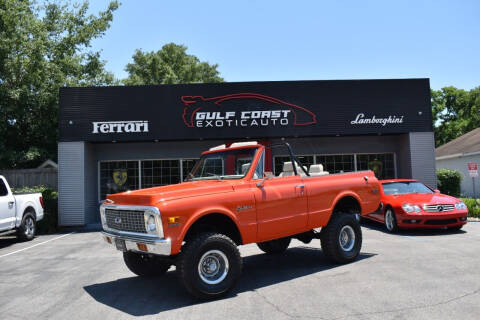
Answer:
(411, 308)
(279, 310)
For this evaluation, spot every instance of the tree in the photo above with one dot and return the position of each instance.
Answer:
(43, 48)
(169, 65)
(455, 112)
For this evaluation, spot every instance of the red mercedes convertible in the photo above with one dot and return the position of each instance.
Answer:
(409, 203)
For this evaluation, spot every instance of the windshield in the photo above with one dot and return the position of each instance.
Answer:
(405, 188)
(229, 164)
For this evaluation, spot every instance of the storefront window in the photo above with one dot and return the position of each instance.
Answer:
(380, 163)
(188, 165)
(337, 163)
(118, 176)
(160, 172)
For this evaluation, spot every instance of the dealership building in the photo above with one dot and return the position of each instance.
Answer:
(121, 138)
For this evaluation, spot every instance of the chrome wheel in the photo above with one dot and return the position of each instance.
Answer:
(389, 220)
(29, 226)
(213, 267)
(347, 238)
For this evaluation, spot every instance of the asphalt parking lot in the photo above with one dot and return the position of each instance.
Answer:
(412, 275)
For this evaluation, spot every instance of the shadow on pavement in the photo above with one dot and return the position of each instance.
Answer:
(7, 241)
(372, 225)
(140, 297)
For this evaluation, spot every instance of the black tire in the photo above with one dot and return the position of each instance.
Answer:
(391, 226)
(28, 228)
(213, 278)
(145, 265)
(332, 238)
(276, 246)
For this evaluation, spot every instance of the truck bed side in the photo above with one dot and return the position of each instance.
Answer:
(28, 201)
(325, 192)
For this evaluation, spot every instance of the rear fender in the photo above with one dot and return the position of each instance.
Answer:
(22, 208)
(344, 194)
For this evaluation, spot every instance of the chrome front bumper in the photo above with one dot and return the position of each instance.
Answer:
(139, 244)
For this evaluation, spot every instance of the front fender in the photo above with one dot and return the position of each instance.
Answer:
(177, 244)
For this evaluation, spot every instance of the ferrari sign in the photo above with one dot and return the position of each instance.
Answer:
(473, 169)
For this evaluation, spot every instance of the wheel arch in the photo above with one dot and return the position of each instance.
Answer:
(29, 209)
(346, 202)
(213, 220)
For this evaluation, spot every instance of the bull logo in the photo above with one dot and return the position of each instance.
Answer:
(120, 177)
(377, 167)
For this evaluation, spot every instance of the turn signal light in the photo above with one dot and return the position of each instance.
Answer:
(108, 240)
(173, 219)
(142, 247)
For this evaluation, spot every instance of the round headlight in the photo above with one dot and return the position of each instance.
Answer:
(151, 226)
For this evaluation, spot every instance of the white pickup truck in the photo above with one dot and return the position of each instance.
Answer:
(19, 213)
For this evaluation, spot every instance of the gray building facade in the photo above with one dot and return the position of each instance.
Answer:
(114, 139)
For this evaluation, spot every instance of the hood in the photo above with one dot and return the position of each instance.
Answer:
(422, 198)
(172, 192)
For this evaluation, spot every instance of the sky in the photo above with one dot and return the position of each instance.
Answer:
(305, 40)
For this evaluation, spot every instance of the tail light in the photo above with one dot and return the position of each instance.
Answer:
(41, 203)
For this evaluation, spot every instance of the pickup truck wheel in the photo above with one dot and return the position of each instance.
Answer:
(27, 229)
(210, 265)
(145, 265)
(341, 239)
(274, 246)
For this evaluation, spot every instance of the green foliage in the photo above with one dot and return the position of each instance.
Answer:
(455, 112)
(449, 181)
(43, 48)
(169, 65)
(473, 206)
(49, 223)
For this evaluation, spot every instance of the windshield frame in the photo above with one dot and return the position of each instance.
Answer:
(406, 182)
(209, 154)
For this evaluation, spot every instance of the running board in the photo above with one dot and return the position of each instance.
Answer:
(4, 233)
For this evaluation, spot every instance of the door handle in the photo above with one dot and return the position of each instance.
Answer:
(11, 204)
(302, 189)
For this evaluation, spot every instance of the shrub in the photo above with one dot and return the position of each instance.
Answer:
(49, 223)
(473, 206)
(449, 181)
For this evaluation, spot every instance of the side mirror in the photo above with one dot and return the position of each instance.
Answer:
(437, 191)
(266, 176)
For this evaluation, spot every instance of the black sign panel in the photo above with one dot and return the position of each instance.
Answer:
(245, 110)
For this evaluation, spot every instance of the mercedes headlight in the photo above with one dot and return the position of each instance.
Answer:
(409, 208)
(460, 205)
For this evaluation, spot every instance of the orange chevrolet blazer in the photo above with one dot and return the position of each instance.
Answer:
(229, 200)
